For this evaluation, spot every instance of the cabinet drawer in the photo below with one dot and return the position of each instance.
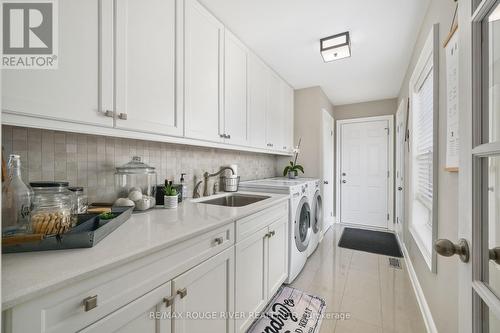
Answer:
(64, 310)
(251, 224)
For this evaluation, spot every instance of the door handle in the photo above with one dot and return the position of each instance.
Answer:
(446, 248)
(495, 255)
(169, 301)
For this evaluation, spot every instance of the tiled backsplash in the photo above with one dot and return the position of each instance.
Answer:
(90, 160)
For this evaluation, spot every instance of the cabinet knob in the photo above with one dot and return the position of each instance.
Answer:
(182, 292)
(272, 233)
(169, 301)
(228, 136)
(219, 241)
(325, 182)
(123, 116)
(90, 302)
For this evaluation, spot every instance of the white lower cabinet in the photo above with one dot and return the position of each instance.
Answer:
(278, 254)
(251, 275)
(261, 268)
(205, 296)
(147, 314)
(199, 285)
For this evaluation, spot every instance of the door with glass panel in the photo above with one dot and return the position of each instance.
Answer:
(479, 294)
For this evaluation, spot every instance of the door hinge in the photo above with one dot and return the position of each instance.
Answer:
(331, 132)
(387, 216)
(387, 129)
(388, 173)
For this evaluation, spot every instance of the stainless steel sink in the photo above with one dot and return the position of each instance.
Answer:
(235, 200)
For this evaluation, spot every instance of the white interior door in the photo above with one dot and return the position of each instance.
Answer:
(400, 167)
(328, 172)
(479, 185)
(364, 172)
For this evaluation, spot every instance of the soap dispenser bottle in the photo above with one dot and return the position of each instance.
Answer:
(184, 186)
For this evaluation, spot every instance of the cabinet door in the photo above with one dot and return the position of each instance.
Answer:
(145, 66)
(275, 122)
(147, 314)
(203, 68)
(207, 288)
(288, 95)
(251, 277)
(235, 91)
(258, 81)
(70, 92)
(278, 254)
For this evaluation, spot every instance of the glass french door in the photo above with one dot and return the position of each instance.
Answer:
(486, 166)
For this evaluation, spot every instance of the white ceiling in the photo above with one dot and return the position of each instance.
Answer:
(286, 33)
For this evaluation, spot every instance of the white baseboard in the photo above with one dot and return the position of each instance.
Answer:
(419, 293)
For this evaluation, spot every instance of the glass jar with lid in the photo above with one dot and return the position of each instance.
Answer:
(53, 208)
(136, 185)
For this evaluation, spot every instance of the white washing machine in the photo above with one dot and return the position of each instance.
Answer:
(316, 216)
(299, 217)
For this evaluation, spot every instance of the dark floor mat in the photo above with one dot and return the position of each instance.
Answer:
(378, 242)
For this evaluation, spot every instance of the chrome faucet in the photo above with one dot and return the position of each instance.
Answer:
(207, 176)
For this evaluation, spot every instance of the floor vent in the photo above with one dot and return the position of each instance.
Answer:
(395, 263)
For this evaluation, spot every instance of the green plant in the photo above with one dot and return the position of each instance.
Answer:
(294, 167)
(170, 191)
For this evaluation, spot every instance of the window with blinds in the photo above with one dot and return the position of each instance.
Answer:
(423, 140)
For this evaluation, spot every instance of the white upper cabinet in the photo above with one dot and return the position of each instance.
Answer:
(235, 92)
(70, 92)
(288, 97)
(275, 122)
(203, 70)
(258, 81)
(145, 67)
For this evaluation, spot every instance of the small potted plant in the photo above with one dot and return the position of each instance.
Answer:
(293, 169)
(171, 197)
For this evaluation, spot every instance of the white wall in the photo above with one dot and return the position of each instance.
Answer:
(441, 289)
(366, 109)
(308, 105)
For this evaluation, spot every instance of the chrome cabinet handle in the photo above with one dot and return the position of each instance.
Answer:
(109, 113)
(169, 301)
(273, 233)
(182, 292)
(123, 116)
(267, 235)
(325, 182)
(90, 303)
(400, 188)
(219, 241)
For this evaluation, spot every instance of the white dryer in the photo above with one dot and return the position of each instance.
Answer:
(317, 215)
(299, 220)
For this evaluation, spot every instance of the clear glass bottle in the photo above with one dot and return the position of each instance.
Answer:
(17, 200)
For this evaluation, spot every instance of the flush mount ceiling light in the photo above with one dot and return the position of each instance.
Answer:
(335, 47)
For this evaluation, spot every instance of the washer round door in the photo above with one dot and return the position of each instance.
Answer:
(302, 230)
(317, 221)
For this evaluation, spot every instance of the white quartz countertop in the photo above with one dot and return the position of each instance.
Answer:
(31, 274)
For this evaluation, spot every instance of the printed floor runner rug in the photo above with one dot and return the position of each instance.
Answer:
(290, 310)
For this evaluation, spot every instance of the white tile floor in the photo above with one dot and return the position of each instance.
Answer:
(377, 297)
